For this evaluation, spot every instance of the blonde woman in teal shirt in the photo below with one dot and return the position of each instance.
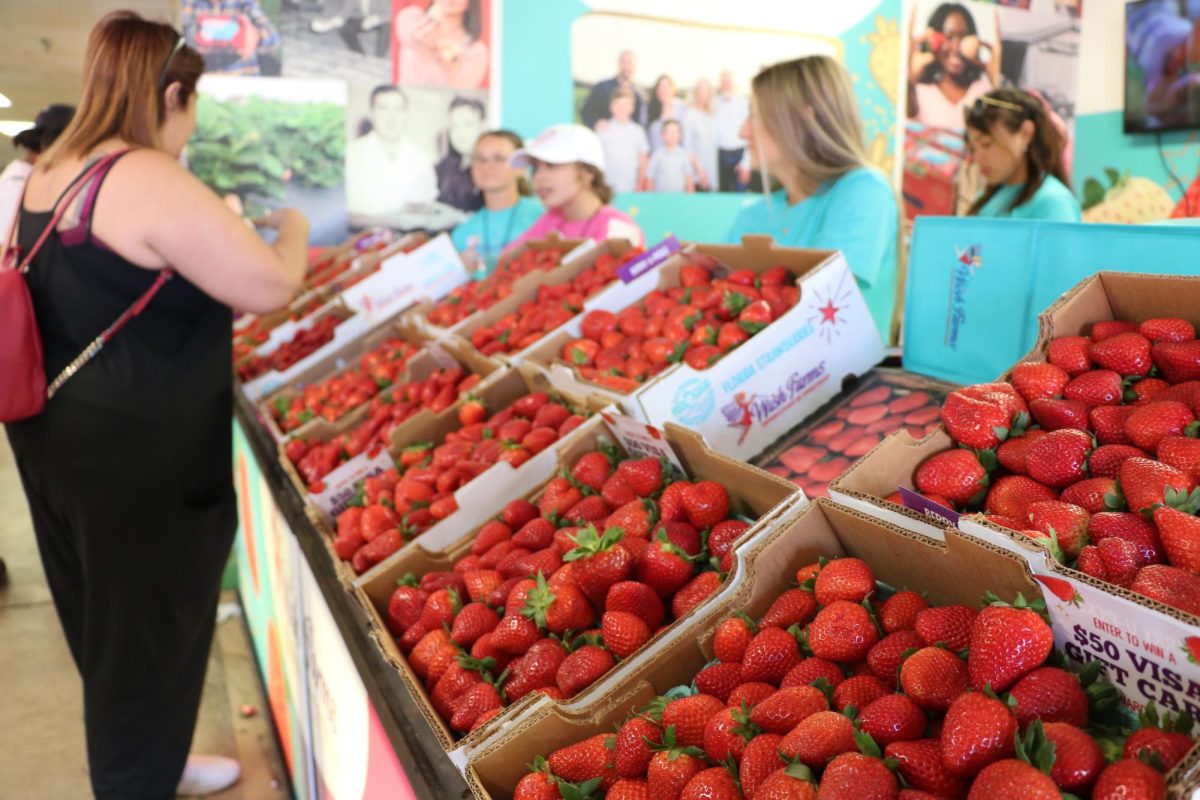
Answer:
(805, 132)
(1019, 153)
(507, 211)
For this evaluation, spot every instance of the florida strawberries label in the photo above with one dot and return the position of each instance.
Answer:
(653, 258)
(341, 485)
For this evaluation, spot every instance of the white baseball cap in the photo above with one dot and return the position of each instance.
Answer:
(562, 144)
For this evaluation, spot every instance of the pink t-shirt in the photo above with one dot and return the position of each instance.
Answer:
(607, 223)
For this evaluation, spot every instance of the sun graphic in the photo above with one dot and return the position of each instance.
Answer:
(827, 308)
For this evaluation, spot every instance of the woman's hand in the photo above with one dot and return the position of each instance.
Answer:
(281, 218)
(919, 57)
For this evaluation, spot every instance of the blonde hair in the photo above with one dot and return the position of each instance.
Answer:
(808, 107)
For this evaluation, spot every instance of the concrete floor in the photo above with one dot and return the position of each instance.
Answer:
(41, 714)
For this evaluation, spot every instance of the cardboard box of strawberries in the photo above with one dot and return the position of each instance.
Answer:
(614, 552)
(1084, 461)
(855, 661)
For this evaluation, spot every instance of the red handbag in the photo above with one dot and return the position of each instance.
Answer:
(23, 389)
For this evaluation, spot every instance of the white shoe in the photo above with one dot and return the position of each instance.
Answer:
(371, 21)
(327, 24)
(208, 775)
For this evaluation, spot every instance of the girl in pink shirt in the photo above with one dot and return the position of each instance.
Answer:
(568, 177)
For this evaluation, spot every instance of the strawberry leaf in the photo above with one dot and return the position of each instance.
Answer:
(867, 745)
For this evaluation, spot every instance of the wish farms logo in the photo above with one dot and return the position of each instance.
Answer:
(967, 262)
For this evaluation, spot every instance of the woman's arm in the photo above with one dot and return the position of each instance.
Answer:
(471, 69)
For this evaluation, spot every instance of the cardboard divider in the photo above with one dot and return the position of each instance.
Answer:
(959, 570)
(746, 400)
(755, 493)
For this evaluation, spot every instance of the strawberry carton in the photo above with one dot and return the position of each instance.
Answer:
(739, 342)
(776, 669)
(822, 448)
(556, 583)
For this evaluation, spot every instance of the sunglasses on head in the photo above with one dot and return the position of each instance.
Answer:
(983, 102)
(162, 75)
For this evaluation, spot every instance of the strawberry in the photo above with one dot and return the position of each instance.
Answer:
(854, 775)
(790, 783)
(479, 699)
(978, 730)
(899, 612)
(1133, 528)
(1051, 695)
(759, 761)
(1007, 643)
(1167, 738)
(731, 639)
(404, 608)
(642, 475)
(1068, 522)
(1107, 328)
(892, 718)
(818, 738)
(535, 534)
(584, 761)
(689, 716)
(600, 562)
(1094, 495)
(1145, 482)
(1011, 495)
(919, 764)
(473, 621)
(670, 504)
(859, 691)
(535, 670)
(1149, 424)
(472, 411)
(948, 625)
(1170, 586)
(933, 678)
(1012, 778)
(884, 658)
(1106, 460)
(480, 583)
(1146, 391)
(842, 631)
(1177, 361)
(787, 708)
(793, 607)
(582, 668)
(1014, 451)
(956, 475)
(440, 607)
(588, 510)
(624, 633)
(1059, 458)
(749, 694)
(1054, 415)
(592, 470)
(1182, 453)
(515, 634)
(719, 680)
(769, 656)
(723, 537)
(1167, 329)
(636, 598)
(426, 650)
(1125, 353)
(849, 579)
(714, 783)
(706, 503)
(1108, 422)
(461, 674)
(695, 592)
(975, 419)
(376, 520)
(558, 609)
(1090, 563)
(1129, 779)
(1119, 560)
(1077, 758)
(616, 491)
(1072, 353)
(1101, 387)
(1035, 380)
(755, 317)
(628, 790)
(636, 518)
(632, 748)
(664, 567)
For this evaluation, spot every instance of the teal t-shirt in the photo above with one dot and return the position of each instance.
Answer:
(857, 214)
(489, 232)
(1052, 201)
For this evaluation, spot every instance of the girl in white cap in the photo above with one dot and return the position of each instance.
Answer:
(568, 177)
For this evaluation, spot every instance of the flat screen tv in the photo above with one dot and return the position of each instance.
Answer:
(1162, 65)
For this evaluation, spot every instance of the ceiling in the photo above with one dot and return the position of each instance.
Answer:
(42, 55)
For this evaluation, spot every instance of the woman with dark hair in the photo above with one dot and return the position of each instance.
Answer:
(664, 106)
(455, 187)
(950, 68)
(127, 470)
(50, 123)
(1018, 150)
(441, 45)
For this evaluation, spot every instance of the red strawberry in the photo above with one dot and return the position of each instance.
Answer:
(769, 656)
(632, 748)
(849, 579)
(491, 534)
(592, 470)
(624, 633)
(714, 783)
(1069, 523)
(1090, 563)
(642, 475)
(1149, 424)
(1014, 452)
(731, 639)
(885, 657)
(695, 592)
(1054, 415)
(1093, 495)
(933, 678)
(536, 786)
(1119, 559)
(750, 694)
(535, 670)
(1182, 453)
(636, 598)
(582, 668)
(616, 491)
(791, 783)
(1146, 391)
(601, 561)
(719, 680)
(689, 716)
(1106, 460)
(854, 775)
(723, 537)
(670, 504)
(516, 514)
(1169, 585)
(1072, 353)
(1133, 528)
(978, 730)
(1012, 778)
(1177, 361)
(949, 625)
(1125, 353)
(440, 607)
(1051, 695)
(1011, 495)
(636, 789)
(859, 691)
(759, 761)
(1187, 393)
(892, 718)
(899, 612)
(636, 518)
(479, 699)
(1059, 458)
(976, 418)
(820, 737)
(842, 631)
(559, 608)
(1007, 643)
(706, 503)
(1180, 535)
(919, 763)
(535, 534)
(793, 607)
(1168, 738)
(1101, 387)
(670, 770)
(473, 621)
(664, 567)
(1107, 328)
(1034, 379)
(404, 608)
(956, 475)
(1077, 758)
(514, 634)
(1167, 329)
(585, 761)
(787, 708)
(1129, 779)
(1145, 482)
(1109, 423)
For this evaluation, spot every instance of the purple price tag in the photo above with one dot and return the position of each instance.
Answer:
(915, 502)
(649, 260)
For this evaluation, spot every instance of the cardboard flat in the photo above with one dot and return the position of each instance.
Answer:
(746, 400)
(753, 492)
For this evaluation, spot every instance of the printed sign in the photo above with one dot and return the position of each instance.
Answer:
(341, 485)
(642, 440)
(653, 258)
(429, 272)
(917, 503)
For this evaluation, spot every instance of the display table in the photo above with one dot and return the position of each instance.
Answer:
(348, 727)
